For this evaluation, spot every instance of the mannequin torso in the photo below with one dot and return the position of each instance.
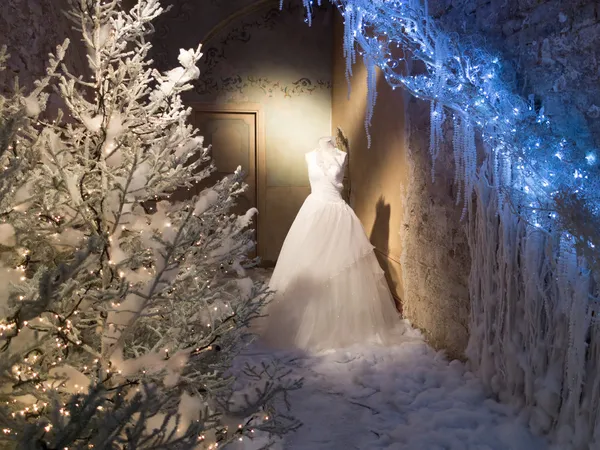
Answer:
(326, 169)
(327, 153)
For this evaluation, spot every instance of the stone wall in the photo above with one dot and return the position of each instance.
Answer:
(436, 254)
(550, 49)
(31, 29)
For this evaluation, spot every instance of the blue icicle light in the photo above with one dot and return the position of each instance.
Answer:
(548, 180)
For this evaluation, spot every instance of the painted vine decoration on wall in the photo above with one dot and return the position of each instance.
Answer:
(239, 84)
(179, 11)
(211, 83)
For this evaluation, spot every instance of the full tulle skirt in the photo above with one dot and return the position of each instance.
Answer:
(329, 289)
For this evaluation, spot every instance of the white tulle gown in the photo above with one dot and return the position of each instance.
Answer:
(330, 291)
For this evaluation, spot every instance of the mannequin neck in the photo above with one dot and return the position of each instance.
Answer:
(326, 143)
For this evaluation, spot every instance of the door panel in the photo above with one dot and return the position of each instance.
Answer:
(233, 139)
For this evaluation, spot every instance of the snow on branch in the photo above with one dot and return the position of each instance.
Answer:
(121, 310)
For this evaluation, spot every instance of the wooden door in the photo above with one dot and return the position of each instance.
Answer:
(233, 139)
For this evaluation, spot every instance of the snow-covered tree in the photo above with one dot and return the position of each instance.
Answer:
(122, 310)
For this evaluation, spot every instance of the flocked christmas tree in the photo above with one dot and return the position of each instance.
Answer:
(122, 310)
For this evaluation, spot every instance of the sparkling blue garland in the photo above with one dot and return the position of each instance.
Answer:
(532, 167)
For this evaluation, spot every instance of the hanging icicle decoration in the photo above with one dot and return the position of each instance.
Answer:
(532, 337)
(457, 146)
(308, 6)
(466, 80)
(350, 25)
(469, 156)
(436, 133)
(437, 113)
(465, 160)
(501, 177)
(371, 95)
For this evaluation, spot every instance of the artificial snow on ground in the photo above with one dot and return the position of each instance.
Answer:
(405, 396)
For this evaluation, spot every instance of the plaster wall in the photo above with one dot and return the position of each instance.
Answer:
(412, 222)
(256, 54)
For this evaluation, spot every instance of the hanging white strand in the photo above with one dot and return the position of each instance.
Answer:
(539, 353)
(371, 96)
(349, 36)
(308, 7)
(436, 134)
(532, 337)
(457, 146)
(437, 114)
(469, 155)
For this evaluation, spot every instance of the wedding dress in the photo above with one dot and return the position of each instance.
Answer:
(329, 290)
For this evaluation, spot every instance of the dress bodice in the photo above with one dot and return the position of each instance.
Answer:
(326, 173)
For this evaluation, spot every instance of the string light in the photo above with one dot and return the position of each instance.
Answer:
(518, 136)
(68, 317)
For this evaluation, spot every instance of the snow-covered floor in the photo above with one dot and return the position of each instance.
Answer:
(406, 396)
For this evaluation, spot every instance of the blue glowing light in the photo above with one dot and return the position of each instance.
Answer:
(532, 164)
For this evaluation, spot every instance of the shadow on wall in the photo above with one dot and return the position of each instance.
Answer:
(436, 259)
(379, 237)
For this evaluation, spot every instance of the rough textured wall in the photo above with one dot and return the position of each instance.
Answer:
(436, 254)
(550, 50)
(413, 223)
(31, 29)
(254, 53)
(524, 339)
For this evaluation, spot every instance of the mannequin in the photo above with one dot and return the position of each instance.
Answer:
(327, 146)
(329, 158)
(330, 291)
(327, 143)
